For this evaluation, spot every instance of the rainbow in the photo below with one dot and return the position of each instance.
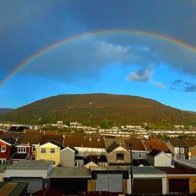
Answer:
(160, 37)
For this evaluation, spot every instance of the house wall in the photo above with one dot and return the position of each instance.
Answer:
(67, 157)
(193, 153)
(150, 160)
(48, 155)
(163, 160)
(111, 157)
(139, 154)
(5, 155)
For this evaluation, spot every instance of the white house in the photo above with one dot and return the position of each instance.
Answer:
(159, 159)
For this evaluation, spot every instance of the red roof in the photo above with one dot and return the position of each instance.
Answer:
(156, 144)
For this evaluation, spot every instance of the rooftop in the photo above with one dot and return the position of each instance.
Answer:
(30, 165)
(70, 172)
(12, 189)
(187, 163)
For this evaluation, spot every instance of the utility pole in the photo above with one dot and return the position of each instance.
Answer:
(131, 169)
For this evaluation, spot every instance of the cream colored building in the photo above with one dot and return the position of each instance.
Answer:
(49, 151)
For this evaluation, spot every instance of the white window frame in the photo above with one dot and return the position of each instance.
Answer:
(2, 148)
(181, 150)
(2, 161)
(22, 150)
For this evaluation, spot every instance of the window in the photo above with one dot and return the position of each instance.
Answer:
(22, 150)
(33, 148)
(3, 148)
(139, 155)
(119, 156)
(2, 161)
(182, 156)
(52, 150)
(182, 150)
(43, 150)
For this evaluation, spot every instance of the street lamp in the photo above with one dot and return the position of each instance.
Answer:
(131, 169)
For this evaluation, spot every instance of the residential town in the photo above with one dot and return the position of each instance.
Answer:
(35, 161)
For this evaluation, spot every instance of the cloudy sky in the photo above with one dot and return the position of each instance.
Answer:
(145, 48)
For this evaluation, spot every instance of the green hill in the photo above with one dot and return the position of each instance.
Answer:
(99, 109)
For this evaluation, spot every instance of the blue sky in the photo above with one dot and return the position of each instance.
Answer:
(119, 62)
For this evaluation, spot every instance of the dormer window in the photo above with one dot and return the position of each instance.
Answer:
(22, 150)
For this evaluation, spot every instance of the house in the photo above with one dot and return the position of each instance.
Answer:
(6, 149)
(49, 151)
(137, 147)
(179, 149)
(67, 157)
(191, 144)
(22, 152)
(159, 159)
(109, 179)
(95, 160)
(32, 139)
(147, 181)
(31, 171)
(85, 145)
(117, 155)
(70, 180)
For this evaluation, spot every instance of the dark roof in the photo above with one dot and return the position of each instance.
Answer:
(95, 159)
(57, 138)
(31, 138)
(136, 144)
(138, 162)
(47, 192)
(112, 147)
(73, 140)
(79, 157)
(56, 143)
(19, 156)
(18, 128)
(153, 153)
(190, 143)
(10, 140)
(170, 170)
(178, 143)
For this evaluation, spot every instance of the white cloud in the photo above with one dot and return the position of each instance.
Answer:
(141, 75)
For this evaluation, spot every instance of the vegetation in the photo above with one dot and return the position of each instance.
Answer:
(102, 110)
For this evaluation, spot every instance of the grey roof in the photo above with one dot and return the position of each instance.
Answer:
(146, 170)
(70, 172)
(189, 163)
(108, 168)
(30, 165)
